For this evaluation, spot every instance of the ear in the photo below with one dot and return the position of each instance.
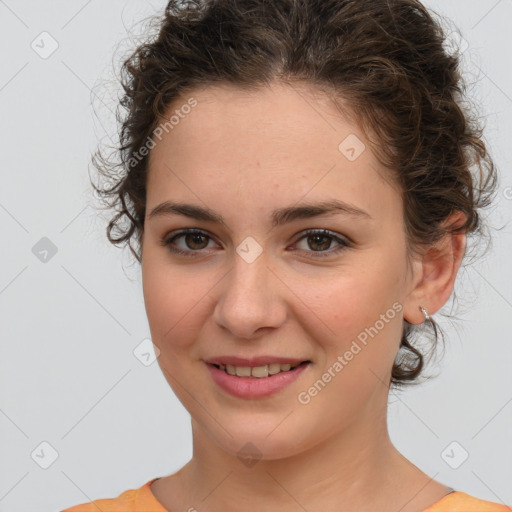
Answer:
(435, 273)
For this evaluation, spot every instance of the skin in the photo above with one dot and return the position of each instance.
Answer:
(253, 152)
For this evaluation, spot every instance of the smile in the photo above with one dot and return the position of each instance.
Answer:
(258, 372)
(255, 381)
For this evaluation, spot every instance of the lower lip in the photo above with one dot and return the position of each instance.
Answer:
(253, 387)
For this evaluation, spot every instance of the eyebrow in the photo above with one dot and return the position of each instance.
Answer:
(278, 217)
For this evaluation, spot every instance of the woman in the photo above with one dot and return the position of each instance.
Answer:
(299, 182)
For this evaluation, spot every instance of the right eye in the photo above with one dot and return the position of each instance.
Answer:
(192, 239)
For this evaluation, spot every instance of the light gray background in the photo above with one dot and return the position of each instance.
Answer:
(69, 326)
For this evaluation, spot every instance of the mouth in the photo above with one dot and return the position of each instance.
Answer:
(259, 372)
(255, 382)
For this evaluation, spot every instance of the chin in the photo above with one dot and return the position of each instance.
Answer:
(264, 441)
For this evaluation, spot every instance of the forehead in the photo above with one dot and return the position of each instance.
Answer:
(283, 116)
(278, 140)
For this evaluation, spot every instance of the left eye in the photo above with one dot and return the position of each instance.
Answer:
(318, 240)
(322, 239)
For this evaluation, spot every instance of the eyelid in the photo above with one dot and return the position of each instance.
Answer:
(343, 241)
(323, 231)
(173, 235)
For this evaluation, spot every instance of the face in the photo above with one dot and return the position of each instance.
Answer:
(249, 287)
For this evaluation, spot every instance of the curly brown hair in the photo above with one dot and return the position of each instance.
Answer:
(386, 58)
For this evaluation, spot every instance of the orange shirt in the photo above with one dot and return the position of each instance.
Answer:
(143, 500)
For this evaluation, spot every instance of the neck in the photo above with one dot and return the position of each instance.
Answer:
(356, 469)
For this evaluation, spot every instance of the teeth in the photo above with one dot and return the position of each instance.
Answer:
(243, 371)
(257, 371)
(274, 368)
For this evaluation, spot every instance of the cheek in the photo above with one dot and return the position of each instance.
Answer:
(360, 316)
(350, 301)
(176, 304)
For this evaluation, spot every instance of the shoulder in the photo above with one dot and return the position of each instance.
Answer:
(131, 500)
(125, 501)
(459, 501)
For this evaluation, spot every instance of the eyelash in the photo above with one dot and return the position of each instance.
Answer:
(344, 244)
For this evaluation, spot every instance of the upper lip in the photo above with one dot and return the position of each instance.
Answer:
(253, 361)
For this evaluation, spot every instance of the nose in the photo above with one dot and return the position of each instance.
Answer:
(250, 300)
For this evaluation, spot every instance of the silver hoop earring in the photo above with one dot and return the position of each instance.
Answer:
(424, 311)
